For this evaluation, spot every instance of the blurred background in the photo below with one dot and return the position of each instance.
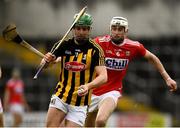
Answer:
(146, 100)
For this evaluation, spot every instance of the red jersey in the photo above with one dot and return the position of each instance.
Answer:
(16, 90)
(117, 58)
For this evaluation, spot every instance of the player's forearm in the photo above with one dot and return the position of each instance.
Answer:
(6, 99)
(5, 103)
(100, 79)
(158, 65)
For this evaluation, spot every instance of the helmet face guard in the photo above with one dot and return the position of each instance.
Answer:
(85, 20)
(119, 21)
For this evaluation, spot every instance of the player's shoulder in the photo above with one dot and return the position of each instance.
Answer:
(10, 82)
(132, 43)
(94, 43)
(68, 40)
(105, 38)
(63, 43)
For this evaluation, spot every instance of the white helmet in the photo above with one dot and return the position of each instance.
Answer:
(121, 21)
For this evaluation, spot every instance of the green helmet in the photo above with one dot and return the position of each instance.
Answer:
(85, 20)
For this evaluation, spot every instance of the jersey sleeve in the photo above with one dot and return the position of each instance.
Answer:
(141, 50)
(96, 40)
(99, 56)
(57, 52)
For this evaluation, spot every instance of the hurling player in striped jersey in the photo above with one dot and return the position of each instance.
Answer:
(119, 50)
(83, 68)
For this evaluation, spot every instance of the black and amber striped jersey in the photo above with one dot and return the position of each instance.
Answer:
(77, 68)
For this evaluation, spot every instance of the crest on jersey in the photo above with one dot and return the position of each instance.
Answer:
(68, 52)
(127, 53)
(108, 51)
(78, 50)
(118, 53)
(75, 66)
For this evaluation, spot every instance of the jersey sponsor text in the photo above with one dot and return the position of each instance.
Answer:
(116, 64)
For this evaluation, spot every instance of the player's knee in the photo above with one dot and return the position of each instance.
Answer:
(100, 122)
(17, 119)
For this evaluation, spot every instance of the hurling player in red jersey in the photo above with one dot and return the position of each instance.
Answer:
(14, 99)
(119, 51)
(1, 108)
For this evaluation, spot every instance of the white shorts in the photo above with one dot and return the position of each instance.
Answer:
(76, 114)
(96, 100)
(17, 108)
(1, 108)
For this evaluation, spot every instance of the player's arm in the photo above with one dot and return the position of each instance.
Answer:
(100, 79)
(154, 60)
(6, 99)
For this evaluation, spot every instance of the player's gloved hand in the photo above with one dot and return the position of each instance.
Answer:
(82, 90)
(171, 84)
